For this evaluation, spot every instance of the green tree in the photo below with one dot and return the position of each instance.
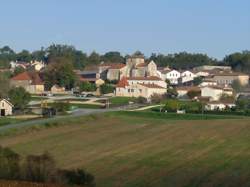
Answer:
(239, 61)
(87, 87)
(107, 88)
(113, 57)
(60, 72)
(19, 97)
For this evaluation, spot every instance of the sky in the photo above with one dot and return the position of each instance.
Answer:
(214, 27)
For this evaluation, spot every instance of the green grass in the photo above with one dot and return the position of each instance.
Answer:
(89, 106)
(7, 120)
(120, 101)
(174, 116)
(138, 149)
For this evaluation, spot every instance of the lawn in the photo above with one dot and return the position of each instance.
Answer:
(120, 101)
(125, 149)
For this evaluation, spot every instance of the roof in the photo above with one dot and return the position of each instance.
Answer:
(153, 78)
(122, 83)
(152, 86)
(230, 74)
(7, 102)
(28, 76)
(188, 88)
(22, 77)
(113, 65)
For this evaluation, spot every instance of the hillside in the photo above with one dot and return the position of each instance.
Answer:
(125, 150)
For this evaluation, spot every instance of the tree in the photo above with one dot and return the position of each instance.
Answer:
(87, 87)
(107, 88)
(183, 60)
(239, 61)
(197, 81)
(9, 164)
(19, 97)
(60, 72)
(41, 168)
(18, 70)
(112, 57)
(24, 56)
(94, 58)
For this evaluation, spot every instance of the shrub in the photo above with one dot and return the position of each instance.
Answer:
(107, 88)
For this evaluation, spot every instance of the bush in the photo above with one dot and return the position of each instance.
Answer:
(87, 87)
(61, 106)
(107, 88)
(9, 164)
(40, 168)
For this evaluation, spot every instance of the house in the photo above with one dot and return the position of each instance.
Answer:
(172, 75)
(219, 105)
(208, 82)
(140, 87)
(183, 90)
(187, 76)
(116, 71)
(215, 92)
(37, 65)
(16, 64)
(30, 81)
(56, 89)
(5, 108)
(227, 78)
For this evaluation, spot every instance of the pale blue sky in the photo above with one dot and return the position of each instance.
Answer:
(215, 27)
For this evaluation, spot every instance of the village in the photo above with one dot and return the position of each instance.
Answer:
(216, 87)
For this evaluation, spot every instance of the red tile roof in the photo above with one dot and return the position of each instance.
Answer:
(28, 76)
(22, 77)
(122, 83)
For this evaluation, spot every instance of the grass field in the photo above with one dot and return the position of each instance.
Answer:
(7, 120)
(139, 150)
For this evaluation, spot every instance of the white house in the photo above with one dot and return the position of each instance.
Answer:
(5, 108)
(187, 76)
(171, 75)
(218, 105)
(215, 92)
(140, 87)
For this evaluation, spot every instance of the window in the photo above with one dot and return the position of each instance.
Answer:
(2, 104)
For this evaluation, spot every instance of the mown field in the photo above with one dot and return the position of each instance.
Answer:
(139, 150)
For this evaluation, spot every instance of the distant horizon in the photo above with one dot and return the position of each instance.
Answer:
(215, 28)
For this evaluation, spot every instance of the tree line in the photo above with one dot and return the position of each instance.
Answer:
(238, 61)
(40, 169)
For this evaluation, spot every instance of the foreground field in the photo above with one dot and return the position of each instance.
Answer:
(122, 149)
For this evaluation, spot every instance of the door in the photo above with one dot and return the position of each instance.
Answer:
(2, 112)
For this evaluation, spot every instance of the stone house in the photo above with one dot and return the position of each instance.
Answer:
(5, 108)
(30, 81)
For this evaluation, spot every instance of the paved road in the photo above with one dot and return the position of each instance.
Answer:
(76, 113)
